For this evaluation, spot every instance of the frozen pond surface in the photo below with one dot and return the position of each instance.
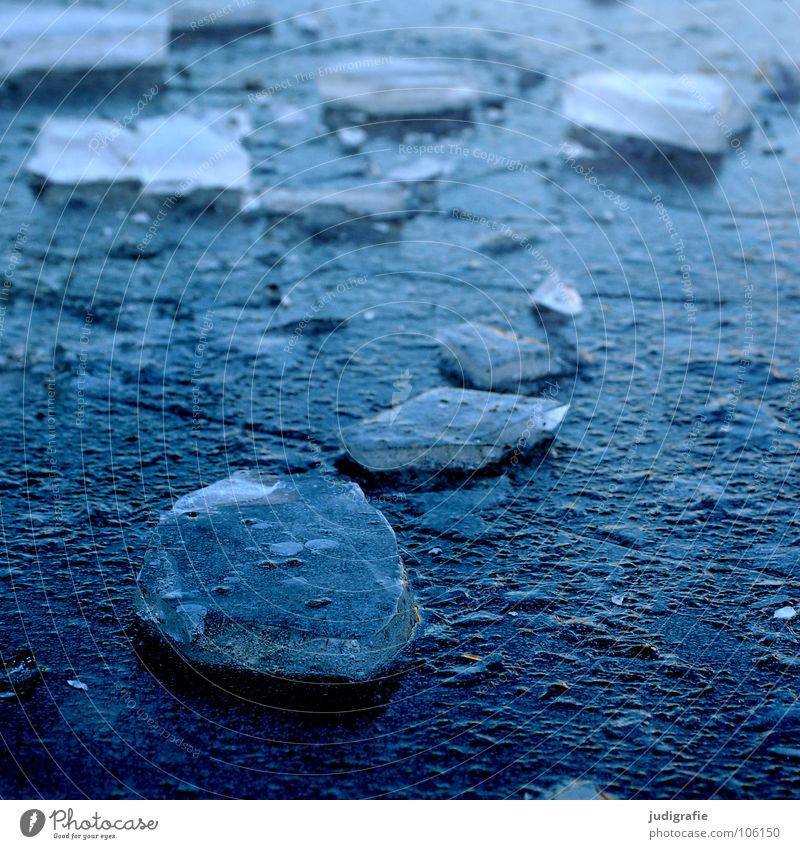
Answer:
(603, 612)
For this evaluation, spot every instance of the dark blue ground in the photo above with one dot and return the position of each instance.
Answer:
(672, 483)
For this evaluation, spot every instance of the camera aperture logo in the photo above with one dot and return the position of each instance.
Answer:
(31, 822)
(66, 825)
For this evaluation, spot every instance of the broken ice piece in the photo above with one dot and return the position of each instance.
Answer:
(232, 124)
(508, 240)
(210, 17)
(785, 613)
(420, 170)
(485, 357)
(453, 430)
(695, 112)
(52, 38)
(553, 296)
(77, 685)
(331, 603)
(380, 88)
(351, 138)
(578, 791)
(17, 674)
(325, 208)
(238, 489)
(173, 157)
(308, 23)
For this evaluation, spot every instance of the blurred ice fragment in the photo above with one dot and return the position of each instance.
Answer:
(382, 88)
(695, 112)
(79, 38)
(308, 23)
(555, 296)
(787, 612)
(170, 157)
(77, 685)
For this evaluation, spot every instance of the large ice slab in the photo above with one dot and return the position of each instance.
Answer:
(296, 578)
(696, 112)
(172, 157)
(452, 430)
(37, 38)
